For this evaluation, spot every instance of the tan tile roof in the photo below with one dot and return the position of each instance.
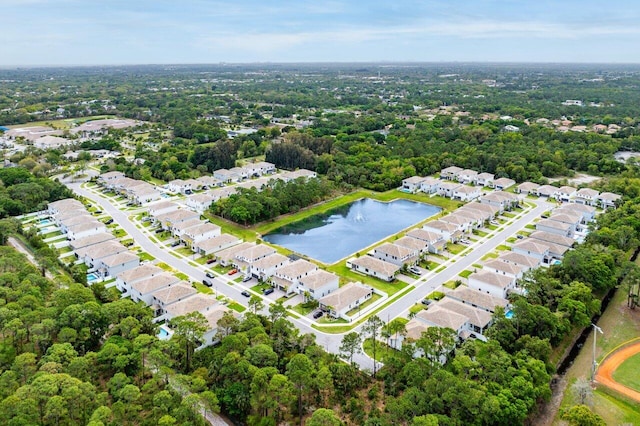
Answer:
(270, 261)
(587, 192)
(555, 224)
(509, 268)
(345, 295)
(104, 249)
(140, 272)
(477, 298)
(198, 302)
(552, 238)
(230, 253)
(217, 241)
(394, 250)
(520, 259)
(215, 314)
(318, 279)
(91, 240)
(255, 252)
(415, 327)
(423, 235)
(528, 186)
(174, 292)
(377, 265)
(442, 317)
(154, 283)
(120, 258)
(440, 225)
(530, 245)
(411, 243)
(566, 218)
(492, 278)
(478, 317)
(201, 229)
(296, 269)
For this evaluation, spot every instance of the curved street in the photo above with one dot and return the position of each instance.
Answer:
(330, 341)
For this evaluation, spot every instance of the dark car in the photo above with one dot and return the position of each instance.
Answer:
(318, 314)
(207, 282)
(109, 222)
(210, 261)
(427, 302)
(246, 293)
(175, 244)
(267, 291)
(210, 275)
(159, 231)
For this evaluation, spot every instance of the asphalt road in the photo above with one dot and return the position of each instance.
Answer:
(331, 342)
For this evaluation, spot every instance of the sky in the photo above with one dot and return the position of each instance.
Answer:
(105, 32)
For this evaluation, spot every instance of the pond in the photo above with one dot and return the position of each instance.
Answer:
(340, 232)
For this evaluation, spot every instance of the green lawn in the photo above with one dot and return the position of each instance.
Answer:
(480, 233)
(389, 288)
(628, 373)
(512, 240)
(489, 256)
(492, 227)
(382, 350)
(182, 276)
(435, 295)
(465, 274)
(185, 251)
(330, 320)
(502, 247)
(52, 234)
(302, 310)
(146, 256)
(64, 250)
(505, 214)
(236, 307)
(355, 311)
(258, 288)
(455, 248)
(202, 288)
(416, 308)
(530, 226)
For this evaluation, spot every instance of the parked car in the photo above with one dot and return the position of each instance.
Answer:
(519, 236)
(415, 270)
(427, 302)
(207, 282)
(175, 244)
(232, 272)
(158, 231)
(108, 222)
(210, 261)
(267, 291)
(210, 274)
(246, 293)
(246, 278)
(318, 314)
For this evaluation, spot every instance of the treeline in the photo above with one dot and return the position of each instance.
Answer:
(249, 206)
(21, 192)
(70, 355)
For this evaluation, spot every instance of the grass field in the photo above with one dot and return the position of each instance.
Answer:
(61, 124)
(628, 373)
(619, 325)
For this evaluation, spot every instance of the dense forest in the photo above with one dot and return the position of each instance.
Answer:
(21, 192)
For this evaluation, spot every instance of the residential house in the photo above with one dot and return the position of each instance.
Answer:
(91, 240)
(143, 194)
(144, 289)
(504, 201)
(529, 247)
(467, 176)
(477, 299)
(504, 268)
(202, 303)
(396, 254)
(166, 296)
(227, 256)
(466, 193)
(412, 184)
(200, 202)
(245, 258)
(169, 220)
(161, 208)
(447, 231)
(287, 277)
(447, 189)
(78, 217)
(264, 268)
(239, 171)
(264, 168)
(227, 176)
(178, 186)
(488, 211)
(369, 265)
(178, 229)
(109, 177)
(565, 193)
(318, 284)
(478, 320)
(547, 191)
(484, 179)
(608, 200)
(430, 185)
(586, 196)
(450, 173)
(125, 279)
(213, 315)
(347, 298)
(209, 182)
(552, 238)
(113, 265)
(56, 207)
(491, 283)
(435, 242)
(195, 234)
(464, 224)
(212, 245)
(296, 174)
(51, 142)
(502, 183)
(414, 244)
(520, 259)
(90, 255)
(527, 188)
(588, 213)
(556, 251)
(86, 229)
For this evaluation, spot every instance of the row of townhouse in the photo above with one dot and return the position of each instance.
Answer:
(238, 174)
(569, 194)
(169, 297)
(137, 191)
(89, 239)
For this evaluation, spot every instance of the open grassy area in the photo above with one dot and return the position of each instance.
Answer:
(236, 307)
(389, 288)
(479, 233)
(619, 324)
(489, 256)
(628, 373)
(465, 274)
(185, 251)
(502, 247)
(455, 248)
(64, 124)
(202, 288)
(182, 276)
(302, 309)
(146, 256)
(416, 308)
(382, 350)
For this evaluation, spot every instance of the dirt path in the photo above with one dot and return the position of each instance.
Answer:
(604, 374)
(17, 244)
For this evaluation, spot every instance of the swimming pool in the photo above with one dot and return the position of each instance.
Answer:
(508, 314)
(164, 333)
(91, 277)
(45, 221)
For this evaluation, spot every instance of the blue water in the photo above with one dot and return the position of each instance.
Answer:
(45, 221)
(92, 277)
(348, 229)
(163, 195)
(163, 333)
(508, 314)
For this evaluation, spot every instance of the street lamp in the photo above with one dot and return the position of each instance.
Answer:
(596, 330)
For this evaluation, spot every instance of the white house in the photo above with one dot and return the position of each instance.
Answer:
(491, 283)
(412, 184)
(318, 284)
(447, 189)
(556, 227)
(447, 231)
(245, 258)
(477, 299)
(169, 220)
(209, 182)
(552, 238)
(529, 247)
(86, 229)
(213, 315)
(143, 290)
(547, 191)
(467, 176)
(504, 201)
(565, 193)
(56, 207)
(109, 177)
(369, 265)
(214, 244)
(504, 268)
(264, 268)
(202, 303)
(466, 193)
(348, 297)
(227, 256)
(586, 196)
(171, 294)
(179, 186)
(113, 265)
(502, 183)
(484, 179)
(608, 200)
(450, 173)
(200, 202)
(396, 254)
(287, 277)
(527, 188)
(588, 213)
(520, 259)
(161, 208)
(195, 234)
(227, 176)
(91, 240)
(430, 185)
(125, 279)
(411, 243)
